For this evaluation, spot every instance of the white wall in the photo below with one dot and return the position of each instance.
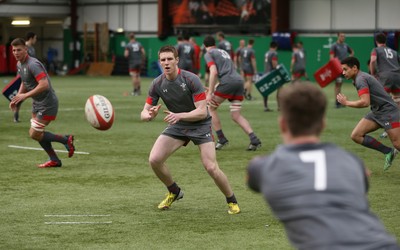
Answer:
(350, 15)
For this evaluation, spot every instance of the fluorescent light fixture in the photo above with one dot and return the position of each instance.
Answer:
(120, 30)
(20, 22)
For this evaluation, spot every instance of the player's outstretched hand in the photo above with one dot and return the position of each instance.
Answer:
(342, 99)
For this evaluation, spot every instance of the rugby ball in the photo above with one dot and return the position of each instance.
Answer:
(99, 112)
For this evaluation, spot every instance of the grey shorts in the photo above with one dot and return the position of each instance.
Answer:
(390, 81)
(198, 135)
(45, 112)
(386, 121)
(231, 91)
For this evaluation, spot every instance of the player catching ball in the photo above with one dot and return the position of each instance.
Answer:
(188, 120)
(384, 111)
(36, 84)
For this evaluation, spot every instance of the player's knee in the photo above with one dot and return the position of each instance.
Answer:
(356, 137)
(212, 170)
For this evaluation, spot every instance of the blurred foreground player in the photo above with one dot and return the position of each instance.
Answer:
(384, 111)
(36, 84)
(317, 190)
(188, 120)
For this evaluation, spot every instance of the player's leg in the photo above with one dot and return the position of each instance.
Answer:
(208, 158)
(133, 73)
(248, 86)
(238, 118)
(136, 82)
(16, 112)
(36, 132)
(164, 147)
(216, 122)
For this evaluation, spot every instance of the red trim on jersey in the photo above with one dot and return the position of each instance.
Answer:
(248, 74)
(331, 52)
(149, 100)
(49, 117)
(395, 124)
(209, 64)
(39, 76)
(373, 53)
(229, 97)
(298, 75)
(363, 91)
(394, 90)
(274, 58)
(200, 97)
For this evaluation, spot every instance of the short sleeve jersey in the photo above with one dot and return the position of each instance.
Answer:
(246, 55)
(340, 50)
(222, 60)
(135, 52)
(299, 61)
(31, 71)
(270, 56)
(179, 95)
(185, 53)
(380, 100)
(319, 192)
(387, 60)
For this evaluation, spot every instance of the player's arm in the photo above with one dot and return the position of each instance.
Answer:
(254, 64)
(43, 85)
(149, 112)
(143, 53)
(199, 113)
(212, 80)
(372, 64)
(292, 63)
(274, 62)
(363, 102)
(332, 53)
(126, 52)
(350, 51)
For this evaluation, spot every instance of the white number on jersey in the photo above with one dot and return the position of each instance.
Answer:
(135, 47)
(186, 49)
(224, 54)
(319, 159)
(388, 52)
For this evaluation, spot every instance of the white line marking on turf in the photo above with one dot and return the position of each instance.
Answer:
(76, 222)
(77, 215)
(41, 149)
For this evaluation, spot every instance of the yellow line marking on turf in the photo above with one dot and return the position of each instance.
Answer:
(41, 149)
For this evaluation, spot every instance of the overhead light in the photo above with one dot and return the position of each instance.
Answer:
(120, 30)
(20, 22)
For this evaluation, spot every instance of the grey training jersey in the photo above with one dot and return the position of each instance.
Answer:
(246, 55)
(340, 50)
(226, 70)
(319, 192)
(31, 51)
(270, 56)
(135, 53)
(380, 101)
(179, 95)
(186, 54)
(299, 64)
(387, 60)
(31, 71)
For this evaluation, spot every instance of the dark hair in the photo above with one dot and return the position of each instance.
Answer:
(303, 106)
(209, 41)
(186, 36)
(168, 48)
(251, 41)
(18, 42)
(273, 44)
(132, 35)
(179, 37)
(351, 61)
(29, 35)
(380, 38)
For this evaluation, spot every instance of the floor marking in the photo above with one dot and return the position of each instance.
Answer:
(41, 149)
(76, 222)
(77, 215)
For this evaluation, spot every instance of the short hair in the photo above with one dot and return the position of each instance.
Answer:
(186, 37)
(380, 38)
(221, 34)
(131, 35)
(273, 44)
(251, 41)
(179, 37)
(303, 106)
(209, 41)
(351, 61)
(18, 42)
(168, 48)
(29, 35)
